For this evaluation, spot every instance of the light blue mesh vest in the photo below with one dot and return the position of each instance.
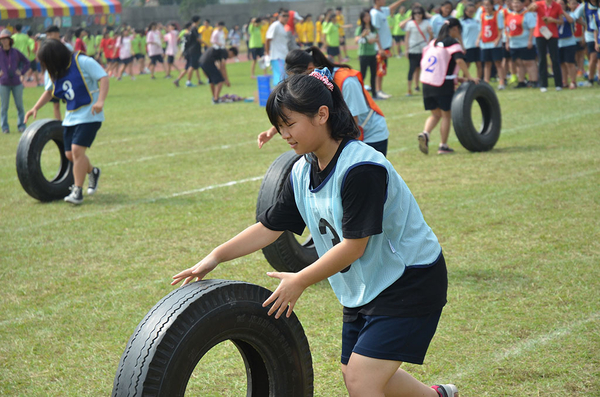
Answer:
(406, 239)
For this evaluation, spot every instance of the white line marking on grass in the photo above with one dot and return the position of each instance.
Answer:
(173, 154)
(128, 205)
(531, 344)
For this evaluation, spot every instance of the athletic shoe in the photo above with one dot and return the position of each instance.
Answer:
(22, 129)
(76, 196)
(168, 77)
(586, 83)
(445, 149)
(572, 86)
(543, 89)
(93, 180)
(501, 87)
(5, 131)
(153, 78)
(448, 390)
(521, 84)
(383, 95)
(200, 82)
(417, 89)
(216, 101)
(558, 88)
(367, 87)
(146, 71)
(189, 84)
(424, 142)
(176, 82)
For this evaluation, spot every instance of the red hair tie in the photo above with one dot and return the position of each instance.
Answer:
(323, 78)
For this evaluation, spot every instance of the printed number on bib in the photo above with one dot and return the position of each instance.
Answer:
(68, 89)
(512, 26)
(487, 31)
(561, 29)
(323, 226)
(432, 61)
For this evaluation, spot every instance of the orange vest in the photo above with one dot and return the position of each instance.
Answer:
(489, 27)
(514, 23)
(342, 74)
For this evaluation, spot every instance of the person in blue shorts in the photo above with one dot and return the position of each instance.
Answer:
(519, 28)
(83, 84)
(383, 261)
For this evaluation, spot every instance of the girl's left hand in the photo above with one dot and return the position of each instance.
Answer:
(286, 294)
(97, 107)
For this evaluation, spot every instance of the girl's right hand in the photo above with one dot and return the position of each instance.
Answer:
(197, 271)
(474, 79)
(30, 113)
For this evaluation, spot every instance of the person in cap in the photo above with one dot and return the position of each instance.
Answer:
(13, 65)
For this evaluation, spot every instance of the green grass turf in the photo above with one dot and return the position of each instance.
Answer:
(518, 224)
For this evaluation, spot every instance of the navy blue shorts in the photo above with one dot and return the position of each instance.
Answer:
(333, 51)
(213, 74)
(591, 47)
(525, 54)
(256, 53)
(473, 55)
(192, 61)
(404, 339)
(154, 59)
(567, 54)
(580, 47)
(170, 59)
(127, 61)
(491, 54)
(398, 38)
(140, 56)
(443, 102)
(80, 134)
(506, 54)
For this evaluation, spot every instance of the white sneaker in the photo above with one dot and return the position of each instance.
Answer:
(585, 84)
(501, 87)
(367, 87)
(543, 89)
(93, 180)
(448, 390)
(383, 95)
(558, 88)
(76, 196)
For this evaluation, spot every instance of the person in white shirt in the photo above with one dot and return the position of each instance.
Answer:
(276, 45)
(171, 38)
(154, 44)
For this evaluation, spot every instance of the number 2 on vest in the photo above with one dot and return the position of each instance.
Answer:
(432, 61)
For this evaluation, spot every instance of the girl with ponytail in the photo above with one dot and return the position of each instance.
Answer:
(382, 260)
(439, 66)
(367, 114)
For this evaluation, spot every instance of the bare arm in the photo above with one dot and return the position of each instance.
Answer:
(292, 285)
(251, 239)
(44, 99)
(395, 5)
(103, 83)
(266, 136)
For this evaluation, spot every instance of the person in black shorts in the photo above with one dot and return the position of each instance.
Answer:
(213, 73)
(192, 52)
(436, 98)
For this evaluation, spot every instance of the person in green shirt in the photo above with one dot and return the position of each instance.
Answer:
(90, 44)
(21, 41)
(97, 41)
(31, 55)
(331, 30)
(255, 44)
(397, 32)
(366, 37)
(138, 49)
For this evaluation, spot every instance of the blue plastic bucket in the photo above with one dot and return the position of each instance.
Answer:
(264, 89)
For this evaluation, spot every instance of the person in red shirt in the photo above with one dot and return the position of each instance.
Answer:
(549, 16)
(107, 44)
(80, 34)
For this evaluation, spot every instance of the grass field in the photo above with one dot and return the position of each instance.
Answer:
(518, 224)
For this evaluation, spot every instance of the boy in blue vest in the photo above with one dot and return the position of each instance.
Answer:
(83, 84)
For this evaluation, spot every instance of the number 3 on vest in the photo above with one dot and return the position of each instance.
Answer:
(68, 89)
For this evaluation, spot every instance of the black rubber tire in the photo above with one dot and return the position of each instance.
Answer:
(29, 168)
(476, 139)
(286, 254)
(176, 333)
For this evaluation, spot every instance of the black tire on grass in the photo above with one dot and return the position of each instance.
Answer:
(29, 168)
(181, 328)
(472, 138)
(286, 254)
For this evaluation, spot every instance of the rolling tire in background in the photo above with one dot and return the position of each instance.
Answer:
(286, 254)
(29, 168)
(472, 138)
(176, 333)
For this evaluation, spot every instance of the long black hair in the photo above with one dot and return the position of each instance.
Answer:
(305, 94)
(363, 13)
(445, 30)
(297, 61)
(55, 57)
(418, 9)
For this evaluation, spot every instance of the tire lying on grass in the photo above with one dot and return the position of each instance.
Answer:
(29, 167)
(168, 343)
(472, 138)
(286, 254)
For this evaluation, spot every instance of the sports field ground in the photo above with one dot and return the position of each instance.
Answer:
(518, 225)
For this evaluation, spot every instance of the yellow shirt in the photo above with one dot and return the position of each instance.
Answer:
(205, 33)
(300, 32)
(341, 21)
(263, 31)
(319, 31)
(309, 32)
